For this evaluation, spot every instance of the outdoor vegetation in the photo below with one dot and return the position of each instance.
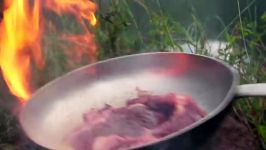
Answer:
(121, 30)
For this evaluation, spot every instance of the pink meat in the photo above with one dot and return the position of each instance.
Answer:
(143, 120)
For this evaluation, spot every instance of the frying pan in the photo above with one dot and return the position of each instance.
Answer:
(56, 109)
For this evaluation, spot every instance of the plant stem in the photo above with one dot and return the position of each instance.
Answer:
(168, 34)
(235, 18)
(242, 32)
(134, 21)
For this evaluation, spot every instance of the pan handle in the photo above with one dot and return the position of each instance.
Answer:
(258, 89)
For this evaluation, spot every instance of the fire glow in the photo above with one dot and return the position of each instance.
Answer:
(21, 34)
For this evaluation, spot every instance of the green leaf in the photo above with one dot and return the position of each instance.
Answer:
(263, 17)
(262, 131)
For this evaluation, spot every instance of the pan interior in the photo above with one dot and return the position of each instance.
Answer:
(56, 109)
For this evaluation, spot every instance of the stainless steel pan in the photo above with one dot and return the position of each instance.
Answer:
(56, 109)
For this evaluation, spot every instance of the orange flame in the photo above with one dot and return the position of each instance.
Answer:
(82, 44)
(19, 36)
(82, 9)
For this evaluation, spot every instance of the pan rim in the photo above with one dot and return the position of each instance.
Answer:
(225, 102)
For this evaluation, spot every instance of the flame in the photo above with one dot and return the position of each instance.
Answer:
(19, 36)
(82, 9)
(82, 44)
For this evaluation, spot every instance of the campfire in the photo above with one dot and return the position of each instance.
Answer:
(23, 28)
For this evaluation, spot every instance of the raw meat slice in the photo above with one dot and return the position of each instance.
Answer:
(143, 120)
